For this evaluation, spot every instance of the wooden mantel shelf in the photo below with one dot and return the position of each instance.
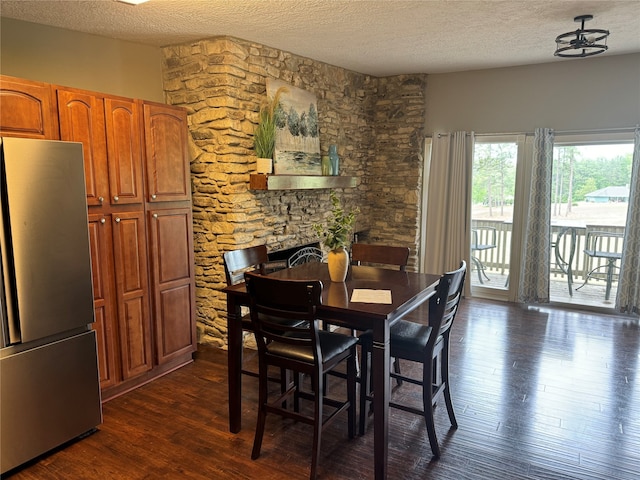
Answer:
(259, 181)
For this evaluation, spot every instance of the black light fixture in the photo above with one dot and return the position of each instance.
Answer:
(582, 43)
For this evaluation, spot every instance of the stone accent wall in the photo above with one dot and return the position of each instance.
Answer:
(395, 176)
(221, 82)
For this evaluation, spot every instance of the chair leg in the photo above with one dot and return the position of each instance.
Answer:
(285, 380)
(317, 425)
(297, 381)
(355, 334)
(396, 368)
(365, 387)
(262, 411)
(427, 405)
(351, 391)
(444, 372)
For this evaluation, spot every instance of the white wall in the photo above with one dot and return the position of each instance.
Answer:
(72, 59)
(572, 94)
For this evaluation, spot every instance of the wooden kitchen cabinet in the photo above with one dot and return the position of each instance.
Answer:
(132, 292)
(81, 116)
(124, 150)
(110, 130)
(170, 230)
(137, 176)
(27, 109)
(167, 165)
(122, 323)
(105, 325)
(172, 273)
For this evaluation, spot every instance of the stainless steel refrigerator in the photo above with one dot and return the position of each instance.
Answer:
(49, 384)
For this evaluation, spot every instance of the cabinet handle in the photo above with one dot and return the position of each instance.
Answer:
(153, 197)
(116, 198)
(101, 199)
(103, 220)
(117, 219)
(155, 215)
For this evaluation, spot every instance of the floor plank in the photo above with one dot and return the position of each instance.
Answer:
(539, 393)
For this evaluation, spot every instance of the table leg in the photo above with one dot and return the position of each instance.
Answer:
(380, 368)
(234, 363)
(610, 267)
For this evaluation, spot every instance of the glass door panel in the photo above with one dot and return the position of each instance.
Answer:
(493, 193)
(589, 200)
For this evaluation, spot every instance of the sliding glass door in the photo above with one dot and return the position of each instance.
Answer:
(495, 164)
(590, 196)
(589, 199)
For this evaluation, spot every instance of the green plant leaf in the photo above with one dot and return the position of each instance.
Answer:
(337, 233)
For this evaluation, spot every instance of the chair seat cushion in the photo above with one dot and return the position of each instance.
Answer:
(331, 344)
(404, 335)
(409, 335)
(246, 322)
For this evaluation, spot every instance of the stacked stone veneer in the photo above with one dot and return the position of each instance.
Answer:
(378, 125)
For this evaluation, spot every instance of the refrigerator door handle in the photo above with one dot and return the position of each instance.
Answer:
(10, 320)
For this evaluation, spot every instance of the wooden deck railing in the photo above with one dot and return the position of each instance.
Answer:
(498, 259)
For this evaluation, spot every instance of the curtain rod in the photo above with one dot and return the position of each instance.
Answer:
(482, 134)
(557, 132)
(598, 130)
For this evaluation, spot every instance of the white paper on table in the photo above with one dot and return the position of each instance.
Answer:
(367, 295)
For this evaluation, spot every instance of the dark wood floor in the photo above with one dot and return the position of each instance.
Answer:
(539, 394)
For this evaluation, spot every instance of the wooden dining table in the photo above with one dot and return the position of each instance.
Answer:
(408, 291)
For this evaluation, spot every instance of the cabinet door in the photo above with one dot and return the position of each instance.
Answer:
(27, 109)
(100, 238)
(167, 161)
(124, 150)
(132, 292)
(81, 116)
(172, 273)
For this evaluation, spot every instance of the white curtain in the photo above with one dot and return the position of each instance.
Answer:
(628, 298)
(447, 235)
(534, 284)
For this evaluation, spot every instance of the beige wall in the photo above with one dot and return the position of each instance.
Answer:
(73, 59)
(576, 94)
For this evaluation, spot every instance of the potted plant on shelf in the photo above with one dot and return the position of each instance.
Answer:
(264, 136)
(336, 236)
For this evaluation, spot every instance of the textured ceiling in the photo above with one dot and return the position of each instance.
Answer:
(377, 37)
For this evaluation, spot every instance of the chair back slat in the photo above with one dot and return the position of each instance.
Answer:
(444, 304)
(237, 262)
(273, 301)
(380, 255)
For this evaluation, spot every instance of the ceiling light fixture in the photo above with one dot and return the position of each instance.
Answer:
(582, 43)
(132, 2)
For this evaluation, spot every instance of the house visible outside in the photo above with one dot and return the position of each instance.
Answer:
(609, 194)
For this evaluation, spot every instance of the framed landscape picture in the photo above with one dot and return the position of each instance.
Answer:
(297, 138)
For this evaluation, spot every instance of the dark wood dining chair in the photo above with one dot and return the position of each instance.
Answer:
(236, 264)
(383, 255)
(425, 344)
(302, 349)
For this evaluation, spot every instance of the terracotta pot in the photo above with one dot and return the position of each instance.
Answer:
(338, 261)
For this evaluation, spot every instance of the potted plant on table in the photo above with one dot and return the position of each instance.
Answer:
(336, 236)
(264, 136)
